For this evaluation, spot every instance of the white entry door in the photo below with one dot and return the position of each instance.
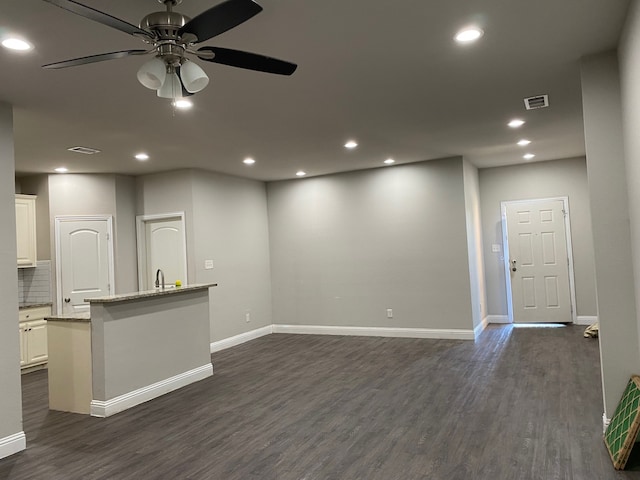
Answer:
(161, 245)
(537, 259)
(83, 261)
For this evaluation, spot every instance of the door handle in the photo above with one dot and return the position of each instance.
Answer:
(513, 266)
(67, 300)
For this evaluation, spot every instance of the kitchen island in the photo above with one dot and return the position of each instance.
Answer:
(129, 349)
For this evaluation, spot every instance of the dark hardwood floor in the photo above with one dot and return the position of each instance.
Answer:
(517, 404)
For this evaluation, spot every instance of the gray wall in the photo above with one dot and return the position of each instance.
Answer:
(474, 242)
(231, 228)
(138, 343)
(126, 259)
(538, 180)
(602, 111)
(226, 219)
(11, 396)
(170, 192)
(629, 56)
(346, 247)
(99, 194)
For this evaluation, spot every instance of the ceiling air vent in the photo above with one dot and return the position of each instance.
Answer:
(85, 150)
(539, 101)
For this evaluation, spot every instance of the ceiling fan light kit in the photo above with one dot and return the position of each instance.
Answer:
(172, 37)
(193, 77)
(171, 88)
(153, 73)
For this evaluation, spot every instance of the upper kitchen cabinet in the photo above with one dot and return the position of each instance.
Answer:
(26, 230)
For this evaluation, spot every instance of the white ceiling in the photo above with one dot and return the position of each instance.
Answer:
(386, 73)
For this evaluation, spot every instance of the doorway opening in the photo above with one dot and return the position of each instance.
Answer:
(84, 261)
(162, 246)
(538, 261)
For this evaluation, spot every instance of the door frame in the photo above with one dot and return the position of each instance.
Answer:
(506, 256)
(59, 220)
(141, 237)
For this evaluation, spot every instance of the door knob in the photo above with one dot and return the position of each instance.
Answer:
(67, 300)
(513, 266)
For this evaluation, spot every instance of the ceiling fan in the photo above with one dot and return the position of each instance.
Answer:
(173, 36)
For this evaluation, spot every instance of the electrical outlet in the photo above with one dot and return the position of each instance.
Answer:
(495, 248)
(208, 264)
(247, 317)
(389, 312)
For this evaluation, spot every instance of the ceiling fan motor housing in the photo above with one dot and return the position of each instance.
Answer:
(165, 25)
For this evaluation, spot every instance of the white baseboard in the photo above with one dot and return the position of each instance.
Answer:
(605, 423)
(453, 334)
(585, 320)
(12, 444)
(112, 406)
(498, 319)
(242, 338)
(480, 327)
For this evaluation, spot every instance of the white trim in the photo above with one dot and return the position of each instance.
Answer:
(12, 444)
(498, 319)
(112, 406)
(506, 258)
(453, 334)
(82, 218)
(141, 236)
(572, 279)
(480, 327)
(241, 338)
(585, 320)
(605, 423)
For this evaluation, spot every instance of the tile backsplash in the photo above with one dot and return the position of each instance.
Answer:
(34, 284)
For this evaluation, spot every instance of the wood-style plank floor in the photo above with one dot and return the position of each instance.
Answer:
(517, 404)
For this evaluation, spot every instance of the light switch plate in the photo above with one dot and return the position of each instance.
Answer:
(208, 264)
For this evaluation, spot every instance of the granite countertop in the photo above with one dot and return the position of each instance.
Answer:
(24, 306)
(156, 292)
(81, 317)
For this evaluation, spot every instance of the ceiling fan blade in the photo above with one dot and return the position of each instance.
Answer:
(93, 59)
(220, 18)
(250, 61)
(100, 17)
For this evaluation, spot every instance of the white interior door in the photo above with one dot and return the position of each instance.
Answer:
(164, 247)
(537, 258)
(84, 261)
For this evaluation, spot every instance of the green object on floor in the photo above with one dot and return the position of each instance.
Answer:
(622, 431)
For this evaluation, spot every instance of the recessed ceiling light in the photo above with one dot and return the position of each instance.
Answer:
(16, 44)
(389, 161)
(468, 35)
(524, 142)
(142, 156)
(248, 161)
(528, 156)
(515, 123)
(183, 104)
(300, 173)
(62, 169)
(351, 144)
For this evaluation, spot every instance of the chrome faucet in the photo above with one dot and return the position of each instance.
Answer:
(159, 275)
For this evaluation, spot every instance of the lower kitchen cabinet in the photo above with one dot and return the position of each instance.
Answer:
(33, 338)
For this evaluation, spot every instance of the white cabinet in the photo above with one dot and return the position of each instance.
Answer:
(33, 336)
(26, 230)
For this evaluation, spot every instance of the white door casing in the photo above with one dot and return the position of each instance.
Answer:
(84, 260)
(161, 245)
(538, 261)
